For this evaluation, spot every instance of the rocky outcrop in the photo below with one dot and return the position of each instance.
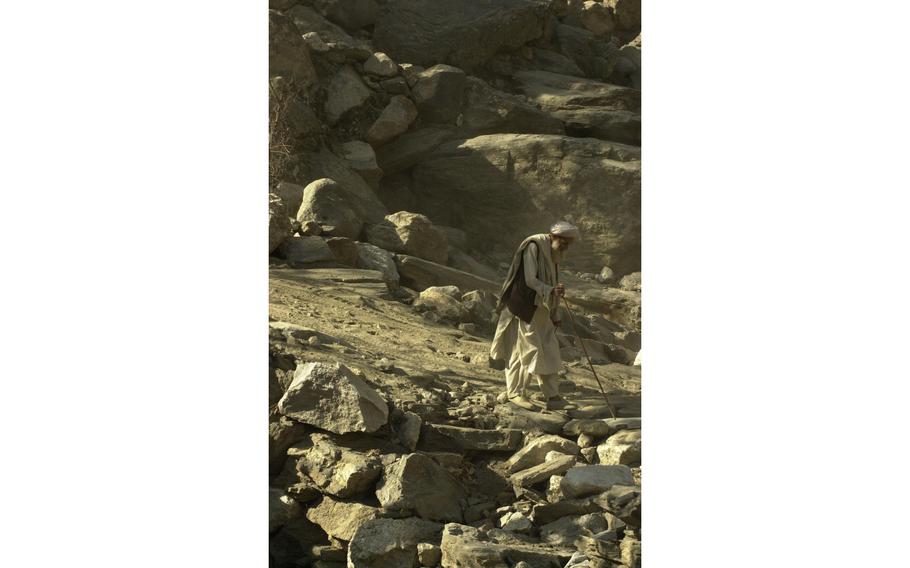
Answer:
(395, 119)
(333, 398)
(288, 53)
(439, 93)
(500, 188)
(464, 34)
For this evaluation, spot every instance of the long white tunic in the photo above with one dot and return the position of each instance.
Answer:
(537, 340)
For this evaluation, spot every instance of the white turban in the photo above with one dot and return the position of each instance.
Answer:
(565, 229)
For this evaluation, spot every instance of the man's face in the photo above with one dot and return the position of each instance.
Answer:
(561, 243)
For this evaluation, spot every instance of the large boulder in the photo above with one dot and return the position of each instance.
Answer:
(374, 258)
(333, 398)
(305, 250)
(390, 543)
(554, 91)
(395, 119)
(338, 470)
(587, 107)
(417, 483)
(617, 305)
(595, 56)
(279, 224)
(357, 193)
(346, 91)
(411, 148)
(419, 237)
(465, 34)
(362, 159)
(326, 204)
(339, 45)
(340, 519)
(500, 188)
(439, 93)
(488, 111)
(443, 301)
(624, 447)
(288, 53)
(585, 480)
(631, 282)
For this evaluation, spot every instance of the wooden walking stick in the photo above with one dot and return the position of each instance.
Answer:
(583, 348)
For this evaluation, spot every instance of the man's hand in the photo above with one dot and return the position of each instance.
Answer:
(560, 290)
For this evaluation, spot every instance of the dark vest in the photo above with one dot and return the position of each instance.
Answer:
(519, 298)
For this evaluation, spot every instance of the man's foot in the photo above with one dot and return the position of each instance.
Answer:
(559, 403)
(522, 402)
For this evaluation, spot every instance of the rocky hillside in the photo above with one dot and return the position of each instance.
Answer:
(495, 117)
(413, 144)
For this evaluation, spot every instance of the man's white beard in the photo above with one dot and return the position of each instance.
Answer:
(555, 253)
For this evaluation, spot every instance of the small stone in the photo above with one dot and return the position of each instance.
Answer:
(310, 229)
(590, 455)
(428, 554)
(515, 522)
(315, 43)
(586, 440)
(380, 64)
(395, 86)
(409, 430)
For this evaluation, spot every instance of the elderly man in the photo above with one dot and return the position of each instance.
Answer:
(526, 332)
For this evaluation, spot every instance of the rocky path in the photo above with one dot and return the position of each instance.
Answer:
(388, 446)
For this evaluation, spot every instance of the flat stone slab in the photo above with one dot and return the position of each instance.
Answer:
(542, 472)
(442, 438)
(546, 513)
(535, 451)
(511, 416)
(420, 274)
(584, 480)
